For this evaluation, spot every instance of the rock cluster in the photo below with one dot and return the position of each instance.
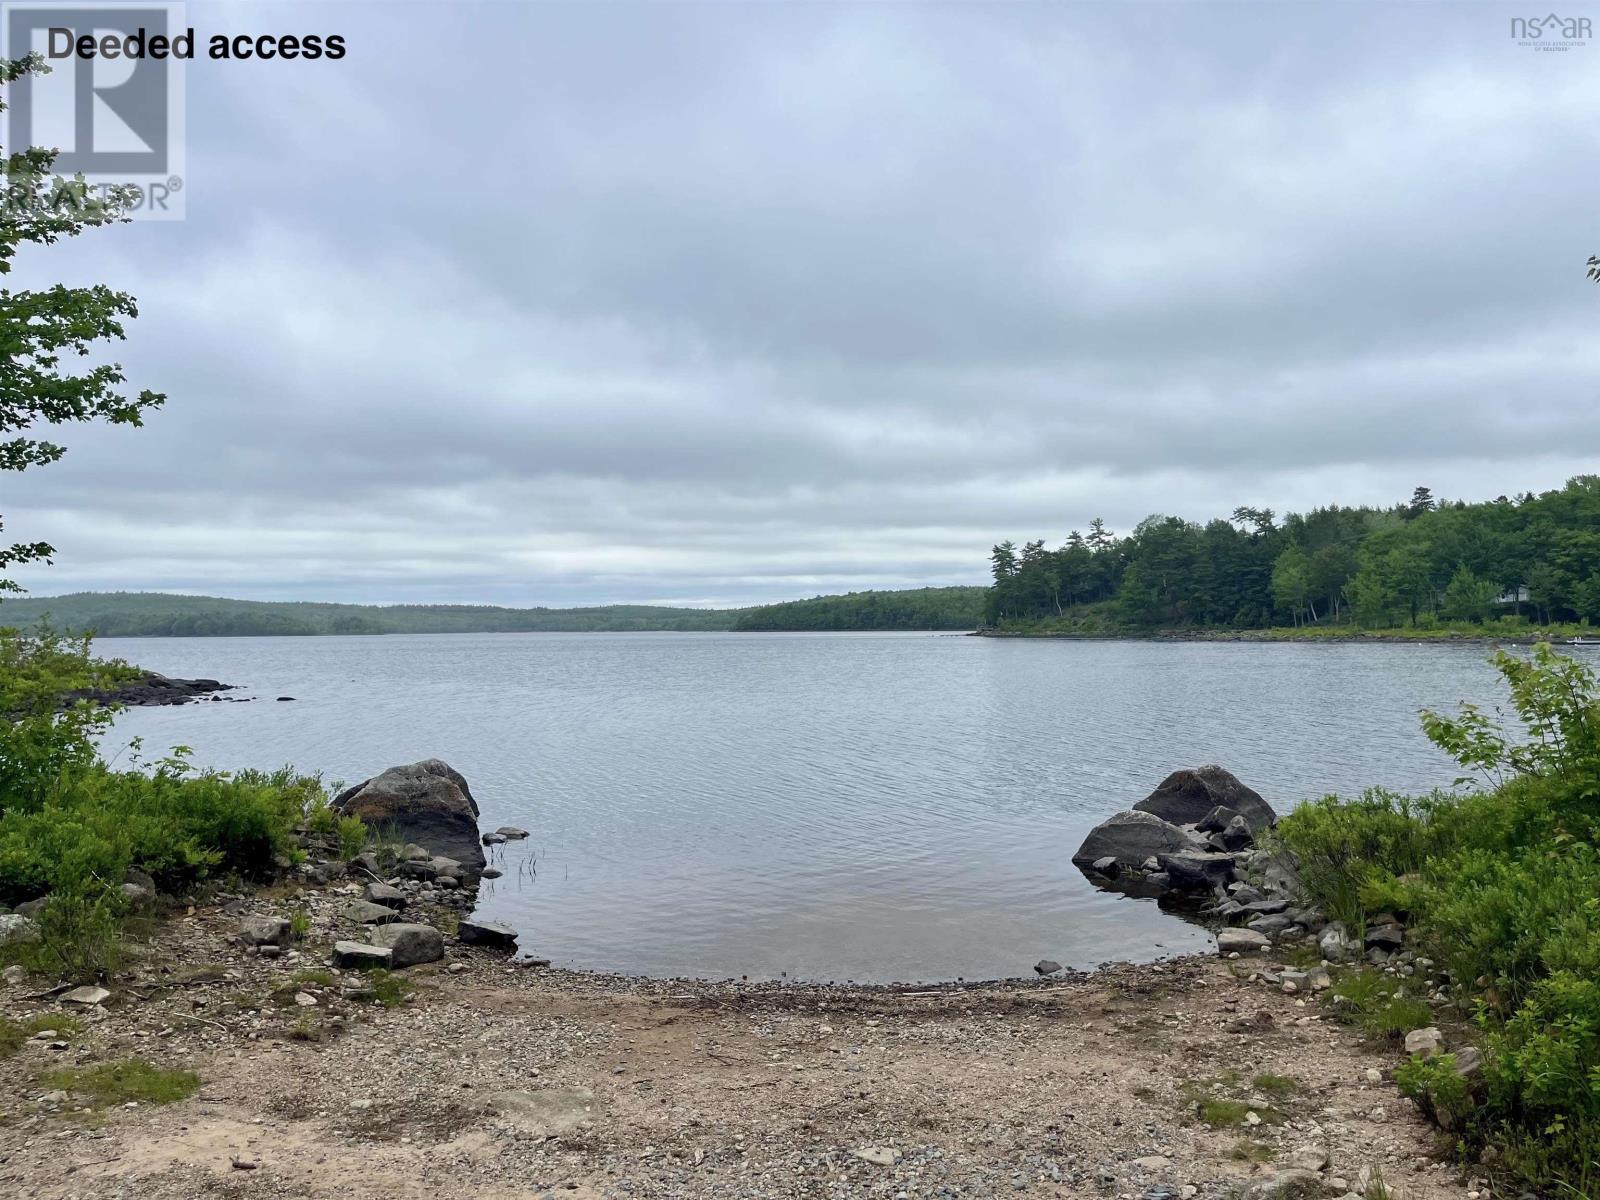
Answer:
(151, 689)
(1191, 838)
(424, 799)
(425, 803)
(1206, 860)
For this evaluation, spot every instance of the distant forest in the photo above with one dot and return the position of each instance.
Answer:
(1418, 563)
(157, 614)
(920, 608)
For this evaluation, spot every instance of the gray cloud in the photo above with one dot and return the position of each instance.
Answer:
(715, 304)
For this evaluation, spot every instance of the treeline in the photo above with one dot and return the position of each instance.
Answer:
(1417, 563)
(921, 608)
(156, 614)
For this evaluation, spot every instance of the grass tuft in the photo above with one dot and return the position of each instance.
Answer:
(133, 1080)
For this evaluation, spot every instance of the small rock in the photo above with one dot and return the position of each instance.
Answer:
(359, 955)
(511, 833)
(15, 976)
(136, 894)
(410, 943)
(1387, 938)
(1469, 1060)
(1335, 943)
(305, 1000)
(1047, 966)
(260, 931)
(365, 912)
(1241, 941)
(1426, 1042)
(89, 996)
(382, 893)
(15, 928)
(1308, 1158)
(882, 1156)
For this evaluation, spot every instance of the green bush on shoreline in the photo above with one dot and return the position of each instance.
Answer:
(1501, 884)
(72, 827)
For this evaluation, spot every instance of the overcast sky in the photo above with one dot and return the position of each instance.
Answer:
(711, 304)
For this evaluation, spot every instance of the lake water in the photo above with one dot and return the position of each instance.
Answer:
(875, 807)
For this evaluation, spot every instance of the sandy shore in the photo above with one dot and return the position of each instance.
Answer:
(496, 1080)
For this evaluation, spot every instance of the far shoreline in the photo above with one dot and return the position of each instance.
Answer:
(1268, 636)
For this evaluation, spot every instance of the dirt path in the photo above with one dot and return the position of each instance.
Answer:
(498, 1081)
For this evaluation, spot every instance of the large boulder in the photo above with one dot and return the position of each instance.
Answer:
(1131, 838)
(1189, 797)
(426, 803)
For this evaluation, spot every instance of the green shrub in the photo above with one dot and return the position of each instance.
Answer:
(1342, 847)
(81, 936)
(1504, 886)
(71, 826)
(1517, 919)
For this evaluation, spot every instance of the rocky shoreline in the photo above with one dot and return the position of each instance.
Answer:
(150, 689)
(352, 1031)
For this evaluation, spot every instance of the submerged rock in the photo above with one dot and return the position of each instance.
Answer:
(486, 933)
(1196, 871)
(1188, 797)
(1130, 838)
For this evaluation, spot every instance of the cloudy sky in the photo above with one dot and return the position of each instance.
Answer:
(716, 303)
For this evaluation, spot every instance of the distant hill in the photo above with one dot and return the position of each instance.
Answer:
(918, 608)
(160, 614)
